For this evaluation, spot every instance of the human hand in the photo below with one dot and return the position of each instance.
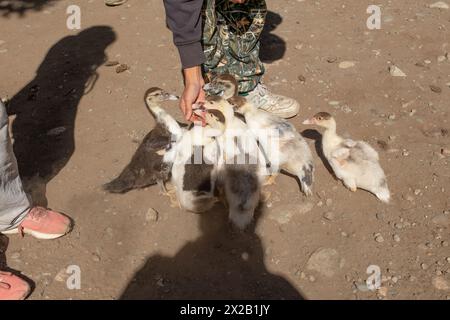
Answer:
(193, 90)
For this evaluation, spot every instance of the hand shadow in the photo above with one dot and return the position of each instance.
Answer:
(46, 107)
(220, 264)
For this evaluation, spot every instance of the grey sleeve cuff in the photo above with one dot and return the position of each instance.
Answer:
(191, 54)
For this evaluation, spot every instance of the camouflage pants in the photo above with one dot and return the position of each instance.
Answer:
(231, 34)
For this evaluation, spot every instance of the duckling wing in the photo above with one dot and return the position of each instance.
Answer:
(158, 138)
(349, 143)
(147, 165)
(284, 129)
(363, 151)
(341, 154)
(370, 151)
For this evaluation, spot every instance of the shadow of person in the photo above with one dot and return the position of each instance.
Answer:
(46, 107)
(4, 241)
(20, 7)
(220, 264)
(272, 46)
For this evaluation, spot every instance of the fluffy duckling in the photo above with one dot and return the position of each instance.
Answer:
(241, 173)
(356, 163)
(284, 147)
(150, 165)
(223, 85)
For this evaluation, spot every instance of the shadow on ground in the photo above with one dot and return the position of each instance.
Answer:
(45, 109)
(221, 264)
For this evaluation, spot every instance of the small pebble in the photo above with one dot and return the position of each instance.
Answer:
(396, 72)
(151, 215)
(439, 5)
(441, 283)
(95, 257)
(346, 64)
(435, 89)
(380, 216)
(331, 59)
(122, 68)
(329, 215)
(301, 78)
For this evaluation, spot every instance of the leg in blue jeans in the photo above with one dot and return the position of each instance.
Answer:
(14, 203)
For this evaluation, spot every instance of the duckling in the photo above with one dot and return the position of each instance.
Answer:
(240, 172)
(223, 85)
(283, 145)
(284, 148)
(356, 163)
(150, 165)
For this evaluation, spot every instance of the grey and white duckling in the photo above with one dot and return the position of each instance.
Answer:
(150, 165)
(356, 163)
(242, 168)
(284, 148)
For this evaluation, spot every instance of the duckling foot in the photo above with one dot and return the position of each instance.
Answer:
(351, 188)
(350, 185)
(174, 202)
(172, 194)
(307, 191)
(270, 180)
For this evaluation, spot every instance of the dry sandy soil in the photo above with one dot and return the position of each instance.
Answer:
(76, 123)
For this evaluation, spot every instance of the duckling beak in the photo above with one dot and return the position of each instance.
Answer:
(169, 96)
(310, 121)
(198, 114)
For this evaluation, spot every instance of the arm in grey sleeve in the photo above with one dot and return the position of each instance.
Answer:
(184, 19)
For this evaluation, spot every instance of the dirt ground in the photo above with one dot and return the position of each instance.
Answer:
(76, 123)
